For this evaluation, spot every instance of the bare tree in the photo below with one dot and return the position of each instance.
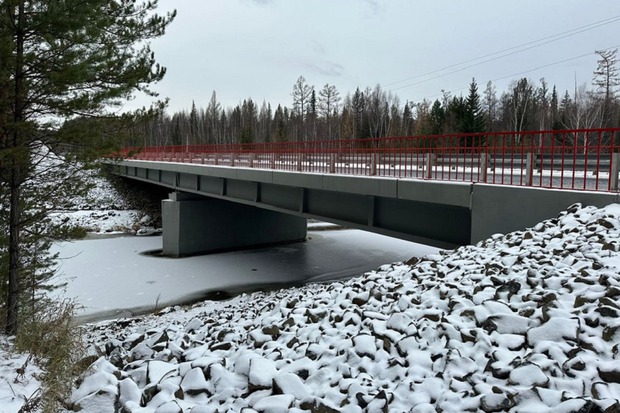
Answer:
(302, 92)
(329, 100)
(490, 106)
(606, 78)
(583, 113)
(518, 106)
(377, 109)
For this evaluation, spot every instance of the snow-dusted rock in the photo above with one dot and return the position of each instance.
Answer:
(528, 375)
(129, 393)
(194, 382)
(556, 329)
(275, 404)
(98, 379)
(261, 374)
(289, 383)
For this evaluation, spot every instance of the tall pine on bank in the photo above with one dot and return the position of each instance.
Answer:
(65, 67)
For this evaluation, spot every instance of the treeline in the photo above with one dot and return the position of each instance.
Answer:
(375, 113)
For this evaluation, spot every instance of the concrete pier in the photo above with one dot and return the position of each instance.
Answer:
(194, 224)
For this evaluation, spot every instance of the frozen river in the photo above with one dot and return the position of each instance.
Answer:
(116, 277)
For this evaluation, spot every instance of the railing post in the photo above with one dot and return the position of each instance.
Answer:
(374, 157)
(484, 166)
(299, 162)
(430, 161)
(332, 163)
(529, 169)
(614, 170)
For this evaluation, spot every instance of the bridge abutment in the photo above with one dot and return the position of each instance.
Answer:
(193, 224)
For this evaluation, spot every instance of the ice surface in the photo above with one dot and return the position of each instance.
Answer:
(96, 269)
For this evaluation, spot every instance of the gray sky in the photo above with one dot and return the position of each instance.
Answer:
(258, 48)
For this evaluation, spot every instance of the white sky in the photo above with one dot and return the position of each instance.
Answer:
(258, 48)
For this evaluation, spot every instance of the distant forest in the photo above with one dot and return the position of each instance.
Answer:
(374, 113)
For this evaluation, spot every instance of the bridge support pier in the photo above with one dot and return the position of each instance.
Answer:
(195, 224)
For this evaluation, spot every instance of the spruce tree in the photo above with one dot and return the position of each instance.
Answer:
(437, 118)
(473, 120)
(65, 67)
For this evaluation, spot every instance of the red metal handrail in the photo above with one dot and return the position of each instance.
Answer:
(582, 159)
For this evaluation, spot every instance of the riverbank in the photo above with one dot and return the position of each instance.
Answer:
(521, 323)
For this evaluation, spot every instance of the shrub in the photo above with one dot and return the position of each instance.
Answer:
(55, 342)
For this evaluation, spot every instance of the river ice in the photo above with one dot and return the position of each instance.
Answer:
(113, 277)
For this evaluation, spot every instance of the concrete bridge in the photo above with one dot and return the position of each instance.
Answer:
(214, 208)
(439, 190)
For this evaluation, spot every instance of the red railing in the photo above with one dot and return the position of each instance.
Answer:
(584, 159)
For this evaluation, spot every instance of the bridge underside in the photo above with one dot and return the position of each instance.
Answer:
(234, 214)
(216, 208)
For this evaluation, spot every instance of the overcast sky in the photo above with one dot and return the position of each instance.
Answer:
(415, 48)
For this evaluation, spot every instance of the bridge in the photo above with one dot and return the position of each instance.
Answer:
(445, 190)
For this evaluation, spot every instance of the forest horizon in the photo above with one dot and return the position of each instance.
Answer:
(324, 114)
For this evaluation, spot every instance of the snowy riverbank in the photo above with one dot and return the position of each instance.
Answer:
(526, 322)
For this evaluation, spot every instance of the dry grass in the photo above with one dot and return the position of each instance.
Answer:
(52, 338)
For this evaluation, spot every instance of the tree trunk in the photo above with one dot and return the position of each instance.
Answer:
(15, 181)
(14, 257)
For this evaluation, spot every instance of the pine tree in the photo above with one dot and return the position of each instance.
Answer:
(554, 110)
(437, 118)
(280, 122)
(312, 115)
(249, 115)
(358, 109)
(194, 135)
(213, 115)
(407, 125)
(62, 60)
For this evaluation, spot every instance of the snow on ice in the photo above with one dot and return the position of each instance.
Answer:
(526, 322)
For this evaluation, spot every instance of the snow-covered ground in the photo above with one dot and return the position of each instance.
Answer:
(526, 322)
(19, 381)
(101, 210)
